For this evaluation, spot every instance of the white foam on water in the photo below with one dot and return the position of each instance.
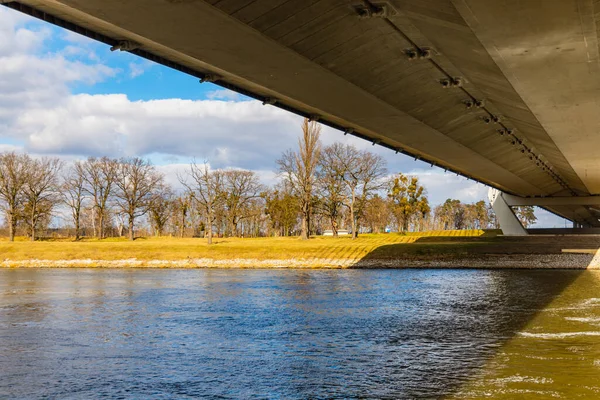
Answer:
(558, 335)
(514, 393)
(543, 358)
(519, 378)
(519, 392)
(593, 301)
(583, 319)
(587, 303)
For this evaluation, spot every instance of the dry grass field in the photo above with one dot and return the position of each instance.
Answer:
(375, 246)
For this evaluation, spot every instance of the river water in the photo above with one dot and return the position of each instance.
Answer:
(84, 333)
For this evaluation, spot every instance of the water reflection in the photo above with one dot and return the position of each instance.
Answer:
(555, 355)
(290, 334)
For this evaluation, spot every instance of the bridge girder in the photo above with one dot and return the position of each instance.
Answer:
(500, 92)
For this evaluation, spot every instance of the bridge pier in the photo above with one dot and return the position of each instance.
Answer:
(509, 223)
(585, 207)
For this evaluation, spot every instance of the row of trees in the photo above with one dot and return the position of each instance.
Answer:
(31, 189)
(321, 188)
(453, 214)
(341, 183)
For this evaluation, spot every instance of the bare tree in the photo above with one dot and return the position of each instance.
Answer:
(181, 208)
(206, 190)
(281, 207)
(160, 208)
(299, 169)
(41, 191)
(240, 187)
(100, 175)
(135, 184)
(376, 213)
(331, 186)
(14, 173)
(362, 173)
(72, 193)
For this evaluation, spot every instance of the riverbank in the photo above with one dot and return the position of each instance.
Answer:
(440, 249)
(564, 261)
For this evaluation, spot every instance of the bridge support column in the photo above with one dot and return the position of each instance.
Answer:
(509, 223)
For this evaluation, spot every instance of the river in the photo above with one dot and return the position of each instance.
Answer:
(137, 333)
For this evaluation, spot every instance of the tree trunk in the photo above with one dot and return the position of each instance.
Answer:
(94, 222)
(354, 233)
(234, 229)
(209, 235)
(334, 227)
(77, 228)
(101, 225)
(32, 223)
(304, 233)
(182, 226)
(12, 227)
(352, 217)
(131, 233)
(208, 228)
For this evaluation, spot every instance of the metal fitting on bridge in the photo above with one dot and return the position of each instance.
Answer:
(348, 131)
(474, 103)
(269, 100)
(314, 118)
(125, 45)
(419, 53)
(491, 118)
(210, 78)
(452, 83)
(374, 11)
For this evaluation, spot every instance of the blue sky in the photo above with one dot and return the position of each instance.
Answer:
(65, 95)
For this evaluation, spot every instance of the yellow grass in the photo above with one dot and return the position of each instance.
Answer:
(368, 245)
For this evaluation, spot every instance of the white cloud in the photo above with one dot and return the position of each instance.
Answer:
(31, 81)
(9, 148)
(138, 68)
(223, 94)
(242, 134)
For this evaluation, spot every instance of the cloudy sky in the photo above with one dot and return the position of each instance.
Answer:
(62, 94)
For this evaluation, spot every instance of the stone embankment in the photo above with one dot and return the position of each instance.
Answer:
(488, 261)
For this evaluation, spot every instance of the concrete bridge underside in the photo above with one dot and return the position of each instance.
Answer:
(505, 92)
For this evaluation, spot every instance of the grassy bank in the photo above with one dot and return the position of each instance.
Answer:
(369, 250)
(165, 248)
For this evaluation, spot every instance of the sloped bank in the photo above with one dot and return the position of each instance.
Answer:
(491, 261)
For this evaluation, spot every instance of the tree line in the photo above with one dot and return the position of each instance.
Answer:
(321, 188)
